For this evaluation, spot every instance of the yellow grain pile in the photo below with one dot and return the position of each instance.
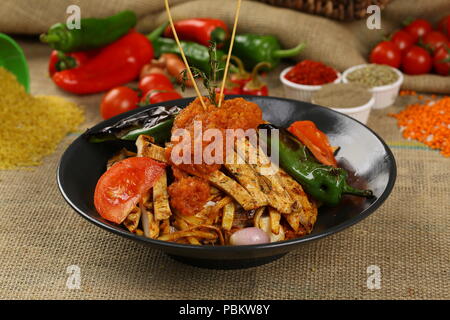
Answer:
(31, 127)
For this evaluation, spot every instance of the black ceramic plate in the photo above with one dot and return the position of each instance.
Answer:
(362, 151)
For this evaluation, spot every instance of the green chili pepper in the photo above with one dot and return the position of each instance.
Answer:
(93, 32)
(156, 122)
(253, 49)
(196, 54)
(160, 132)
(324, 183)
(157, 33)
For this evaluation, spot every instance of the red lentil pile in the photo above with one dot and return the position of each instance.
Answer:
(427, 123)
(310, 72)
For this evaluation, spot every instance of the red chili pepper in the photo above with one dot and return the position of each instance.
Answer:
(117, 63)
(255, 86)
(200, 30)
(60, 61)
(241, 77)
(230, 88)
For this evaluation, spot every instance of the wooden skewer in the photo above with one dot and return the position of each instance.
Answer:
(233, 34)
(166, 2)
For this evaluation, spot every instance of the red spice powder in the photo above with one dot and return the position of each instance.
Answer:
(310, 72)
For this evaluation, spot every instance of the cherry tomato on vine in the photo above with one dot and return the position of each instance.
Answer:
(441, 61)
(386, 52)
(157, 96)
(434, 40)
(118, 100)
(418, 28)
(402, 39)
(416, 60)
(444, 25)
(155, 81)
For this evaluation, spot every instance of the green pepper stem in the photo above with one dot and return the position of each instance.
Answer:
(218, 35)
(155, 34)
(255, 82)
(357, 192)
(49, 38)
(239, 63)
(286, 53)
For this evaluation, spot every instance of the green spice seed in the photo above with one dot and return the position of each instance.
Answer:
(373, 75)
(342, 95)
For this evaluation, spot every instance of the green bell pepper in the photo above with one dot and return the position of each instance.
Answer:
(253, 49)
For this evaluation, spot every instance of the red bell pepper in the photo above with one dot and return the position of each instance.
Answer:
(200, 30)
(315, 140)
(255, 86)
(117, 63)
(60, 61)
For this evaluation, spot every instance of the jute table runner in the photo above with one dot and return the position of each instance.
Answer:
(407, 238)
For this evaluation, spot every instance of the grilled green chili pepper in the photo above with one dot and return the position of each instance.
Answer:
(253, 49)
(196, 54)
(93, 32)
(161, 132)
(324, 183)
(156, 122)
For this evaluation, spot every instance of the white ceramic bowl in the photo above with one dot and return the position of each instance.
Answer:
(384, 95)
(360, 113)
(300, 92)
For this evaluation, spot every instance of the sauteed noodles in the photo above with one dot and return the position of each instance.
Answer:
(206, 203)
(215, 173)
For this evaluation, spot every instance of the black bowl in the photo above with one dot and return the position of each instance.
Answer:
(362, 152)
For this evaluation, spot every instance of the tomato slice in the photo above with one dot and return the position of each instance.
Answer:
(121, 187)
(315, 140)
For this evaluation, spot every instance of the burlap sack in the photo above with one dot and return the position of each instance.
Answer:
(42, 238)
(336, 43)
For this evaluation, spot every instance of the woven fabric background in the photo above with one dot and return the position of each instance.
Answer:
(408, 237)
(338, 44)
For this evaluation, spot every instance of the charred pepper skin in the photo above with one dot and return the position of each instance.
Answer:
(324, 183)
(253, 49)
(156, 122)
(93, 32)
